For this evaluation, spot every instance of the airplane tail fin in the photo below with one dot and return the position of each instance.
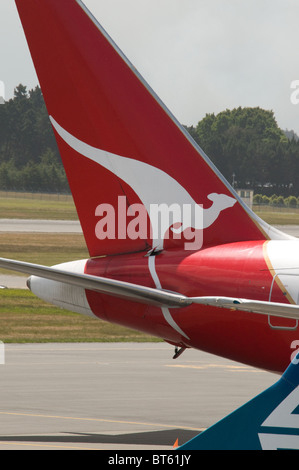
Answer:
(120, 146)
(268, 422)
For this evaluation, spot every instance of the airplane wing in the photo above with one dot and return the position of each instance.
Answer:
(104, 285)
(148, 295)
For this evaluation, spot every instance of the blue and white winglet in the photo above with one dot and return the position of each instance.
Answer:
(270, 421)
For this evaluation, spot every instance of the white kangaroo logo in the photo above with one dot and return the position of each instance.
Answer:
(210, 215)
(152, 186)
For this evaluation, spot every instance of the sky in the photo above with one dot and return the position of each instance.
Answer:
(200, 56)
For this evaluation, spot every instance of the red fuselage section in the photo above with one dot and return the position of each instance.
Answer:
(236, 270)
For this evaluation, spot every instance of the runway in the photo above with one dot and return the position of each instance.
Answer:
(73, 226)
(39, 226)
(292, 230)
(116, 396)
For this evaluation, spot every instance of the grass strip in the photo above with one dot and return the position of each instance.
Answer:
(62, 207)
(279, 217)
(42, 248)
(26, 319)
(47, 207)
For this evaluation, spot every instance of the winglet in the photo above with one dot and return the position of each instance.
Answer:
(268, 422)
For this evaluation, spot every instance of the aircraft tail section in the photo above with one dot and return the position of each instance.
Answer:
(268, 422)
(120, 146)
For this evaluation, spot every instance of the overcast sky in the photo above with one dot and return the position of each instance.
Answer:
(200, 56)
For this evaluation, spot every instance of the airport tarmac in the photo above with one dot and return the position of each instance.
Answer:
(292, 230)
(73, 226)
(40, 226)
(116, 396)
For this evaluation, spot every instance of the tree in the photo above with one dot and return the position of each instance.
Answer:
(29, 157)
(247, 142)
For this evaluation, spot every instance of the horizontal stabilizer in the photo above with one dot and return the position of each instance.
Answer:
(148, 295)
(113, 287)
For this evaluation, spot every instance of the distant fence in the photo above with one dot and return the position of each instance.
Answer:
(69, 198)
(40, 196)
(269, 208)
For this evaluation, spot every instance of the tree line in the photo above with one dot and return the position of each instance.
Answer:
(245, 144)
(29, 157)
(249, 148)
(276, 201)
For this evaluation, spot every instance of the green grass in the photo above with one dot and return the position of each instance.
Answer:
(37, 206)
(26, 319)
(285, 217)
(42, 248)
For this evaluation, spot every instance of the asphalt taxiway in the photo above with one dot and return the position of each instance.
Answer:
(116, 396)
(73, 226)
(39, 226)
